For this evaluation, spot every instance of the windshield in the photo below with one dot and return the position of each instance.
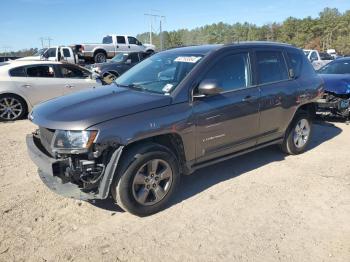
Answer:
(119, 58)
(161, 73)
(40, 52)
(336, 67)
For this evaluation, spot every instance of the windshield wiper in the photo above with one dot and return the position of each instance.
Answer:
(132, 86)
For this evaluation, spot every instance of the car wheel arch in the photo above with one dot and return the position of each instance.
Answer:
(29, 106)
(171, 140)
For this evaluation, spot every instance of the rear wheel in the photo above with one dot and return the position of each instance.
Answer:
(298, 135)
(12, 107)
(100, 57)
(147, 183)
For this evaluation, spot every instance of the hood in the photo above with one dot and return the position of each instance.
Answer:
(149, 46)
(105, 65)
(83, 109)
(337, 83)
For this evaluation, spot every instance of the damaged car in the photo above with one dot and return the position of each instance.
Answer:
(336, 98)
(175, 112)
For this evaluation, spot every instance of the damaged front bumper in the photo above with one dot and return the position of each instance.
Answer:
(51, 169)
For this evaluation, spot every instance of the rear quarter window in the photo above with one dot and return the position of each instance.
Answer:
(18, 72)
(296, 61)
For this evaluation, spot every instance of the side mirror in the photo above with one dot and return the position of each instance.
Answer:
(128, 61)
(208, 87)
(291, 73)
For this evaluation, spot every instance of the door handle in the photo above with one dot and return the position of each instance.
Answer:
(117, 46)
(69, 86)
(128, 46)
(248, 98)
(27, 85)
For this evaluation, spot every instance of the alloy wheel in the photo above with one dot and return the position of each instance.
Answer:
(10, 108)
(152, 182)
(301, 133)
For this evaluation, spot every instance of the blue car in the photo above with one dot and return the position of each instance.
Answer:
(336, 77)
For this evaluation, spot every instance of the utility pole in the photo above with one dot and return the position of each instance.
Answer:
(44, 41)
(161, 17)
(49, 39)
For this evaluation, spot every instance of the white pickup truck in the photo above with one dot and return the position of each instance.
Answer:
(318, 59)
(55, 53)
(110, 46)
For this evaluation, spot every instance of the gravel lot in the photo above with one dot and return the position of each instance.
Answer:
(263, 206)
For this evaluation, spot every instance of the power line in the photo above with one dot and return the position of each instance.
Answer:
(154, 16)
(45, 41)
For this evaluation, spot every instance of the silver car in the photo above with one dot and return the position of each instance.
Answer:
(24, 84)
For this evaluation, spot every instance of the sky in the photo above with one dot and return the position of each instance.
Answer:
(23, 22)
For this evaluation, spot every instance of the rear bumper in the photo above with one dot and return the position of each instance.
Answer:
(49, 167)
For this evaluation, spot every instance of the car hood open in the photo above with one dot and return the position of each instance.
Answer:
(337, 83)
(83, 109)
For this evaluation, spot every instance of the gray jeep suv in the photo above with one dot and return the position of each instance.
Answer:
(175, 112)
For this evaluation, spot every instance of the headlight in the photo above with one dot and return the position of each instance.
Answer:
(73, 141)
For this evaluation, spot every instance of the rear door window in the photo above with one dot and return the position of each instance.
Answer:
(41, 71)
(271, 67)
(121, 39)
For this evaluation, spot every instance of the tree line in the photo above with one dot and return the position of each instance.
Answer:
(20, 53)
(331, 29)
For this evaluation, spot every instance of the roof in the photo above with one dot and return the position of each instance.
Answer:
(13, 63)
(195, 49)
(204, 49)
(345, 58)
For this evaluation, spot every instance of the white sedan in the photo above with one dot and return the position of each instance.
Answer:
(24, 84)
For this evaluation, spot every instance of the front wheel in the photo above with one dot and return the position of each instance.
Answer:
(298, 135)
(148, 182)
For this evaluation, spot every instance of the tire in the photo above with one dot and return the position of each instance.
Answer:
(150, 52)
(100, 57)
(12, 107)
(298, 134)
(149, 177)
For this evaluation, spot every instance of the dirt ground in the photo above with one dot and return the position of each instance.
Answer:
(263, 206)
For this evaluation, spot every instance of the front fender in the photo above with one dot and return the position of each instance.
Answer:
(174, 119)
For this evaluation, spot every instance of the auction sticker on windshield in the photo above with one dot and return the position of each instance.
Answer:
(187, 59)
(167, 88)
